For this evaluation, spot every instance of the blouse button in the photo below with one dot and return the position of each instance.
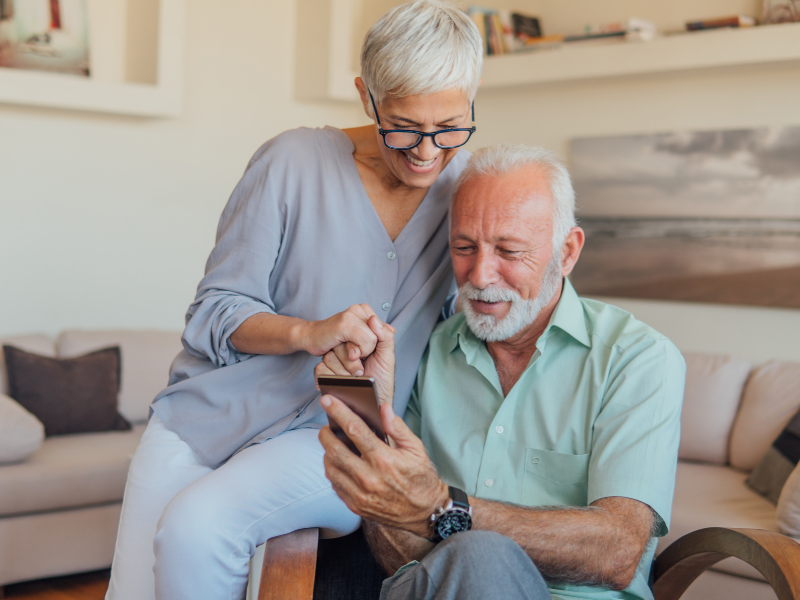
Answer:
(386, 306)
(391, 255)
(488, 483)
(499, 429)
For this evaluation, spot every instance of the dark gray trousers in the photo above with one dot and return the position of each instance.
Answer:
(472, 565)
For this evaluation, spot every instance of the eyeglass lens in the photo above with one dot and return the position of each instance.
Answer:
(402, 139)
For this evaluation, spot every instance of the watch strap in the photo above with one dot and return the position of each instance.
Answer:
(459, 497)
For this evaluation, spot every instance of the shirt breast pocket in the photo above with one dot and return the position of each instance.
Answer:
(555, 479)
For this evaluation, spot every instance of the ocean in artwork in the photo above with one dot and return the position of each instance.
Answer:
(700, 217)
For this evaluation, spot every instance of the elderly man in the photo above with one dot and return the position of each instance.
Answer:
(537, 458)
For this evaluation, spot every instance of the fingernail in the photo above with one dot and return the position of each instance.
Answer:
(380, 324)
(325, 401)
(359, 373)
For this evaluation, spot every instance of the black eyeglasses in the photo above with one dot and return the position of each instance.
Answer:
(404, 139)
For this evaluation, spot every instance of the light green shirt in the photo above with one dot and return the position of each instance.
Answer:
(595, 414)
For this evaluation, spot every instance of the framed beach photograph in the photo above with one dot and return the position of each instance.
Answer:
(44, 35)
(709, 216)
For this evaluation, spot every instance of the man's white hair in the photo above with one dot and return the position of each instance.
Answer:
(422, 48)
(506, 158)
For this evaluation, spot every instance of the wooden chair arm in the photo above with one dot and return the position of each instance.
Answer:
(289, 565)
(775, 556)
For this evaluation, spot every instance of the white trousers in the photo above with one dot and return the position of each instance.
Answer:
(188, 531)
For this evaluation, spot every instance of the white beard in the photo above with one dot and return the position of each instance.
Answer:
(521, 314)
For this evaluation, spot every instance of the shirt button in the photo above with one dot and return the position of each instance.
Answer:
(391, 255)
(488, 483)
(386, 306)
(499, 429)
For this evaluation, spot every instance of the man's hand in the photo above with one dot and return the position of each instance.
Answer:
(398, 487)
(379, 364)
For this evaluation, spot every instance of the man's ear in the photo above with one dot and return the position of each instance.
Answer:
(571, 250)
(362, 91)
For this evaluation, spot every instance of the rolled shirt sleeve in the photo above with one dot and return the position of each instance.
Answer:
(236, 284)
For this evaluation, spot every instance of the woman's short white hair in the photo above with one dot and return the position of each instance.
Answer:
(506, 158)
(422, 47)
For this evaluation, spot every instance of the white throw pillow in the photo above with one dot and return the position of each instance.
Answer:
(788, 514)
(21, 434)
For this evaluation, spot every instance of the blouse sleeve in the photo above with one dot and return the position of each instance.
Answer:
(236, 284)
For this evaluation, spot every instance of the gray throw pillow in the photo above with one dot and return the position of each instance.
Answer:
(74, 395)
(774, 469)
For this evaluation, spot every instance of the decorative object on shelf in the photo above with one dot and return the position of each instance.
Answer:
(721, 23)
(45, 35)
(785, 11)
(696, 216)
(639, 30)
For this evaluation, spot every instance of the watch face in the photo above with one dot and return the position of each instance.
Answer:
(452, 522)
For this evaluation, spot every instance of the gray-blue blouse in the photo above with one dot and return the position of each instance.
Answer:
(300, 237)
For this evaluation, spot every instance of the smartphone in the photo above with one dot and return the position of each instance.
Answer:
(359, 394)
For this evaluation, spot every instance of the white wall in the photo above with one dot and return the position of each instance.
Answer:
(107, 221)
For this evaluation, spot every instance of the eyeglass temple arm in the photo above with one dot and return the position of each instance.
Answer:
(375, 109)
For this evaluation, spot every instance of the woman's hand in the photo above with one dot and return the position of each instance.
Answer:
(348, 328)
(379, 364)
(266, 333)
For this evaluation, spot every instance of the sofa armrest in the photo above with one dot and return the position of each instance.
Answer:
(289, 566)
(775, 556)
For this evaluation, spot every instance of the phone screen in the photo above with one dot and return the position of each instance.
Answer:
(359, 394)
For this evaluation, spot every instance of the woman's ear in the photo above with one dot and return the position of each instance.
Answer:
(362, 91)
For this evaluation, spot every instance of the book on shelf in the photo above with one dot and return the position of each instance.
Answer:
(504, 31)
(735, 21)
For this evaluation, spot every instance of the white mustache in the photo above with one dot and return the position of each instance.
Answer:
(492, 293)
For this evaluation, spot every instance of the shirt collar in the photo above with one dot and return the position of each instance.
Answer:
(568, 316)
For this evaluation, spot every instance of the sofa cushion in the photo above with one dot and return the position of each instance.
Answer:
(21, 434)
(771, 397)
(146, 357)
(714, 385)
(38, 344)
(72, 395)
(69, 471)
(788, 513)
(716, 496)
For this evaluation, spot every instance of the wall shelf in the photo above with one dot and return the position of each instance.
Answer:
(325, 54)
(683, 52)
(162, 99)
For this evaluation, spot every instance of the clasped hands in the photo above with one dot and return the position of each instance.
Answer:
(397, 486)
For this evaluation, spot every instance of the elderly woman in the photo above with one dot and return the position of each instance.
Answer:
(327, 230)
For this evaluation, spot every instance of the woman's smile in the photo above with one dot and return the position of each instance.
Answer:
(418, 166)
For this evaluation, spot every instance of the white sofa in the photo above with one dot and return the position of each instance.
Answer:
(59, 509)
(732, 412)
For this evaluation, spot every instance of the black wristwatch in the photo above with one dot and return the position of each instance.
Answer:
(453, 518)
